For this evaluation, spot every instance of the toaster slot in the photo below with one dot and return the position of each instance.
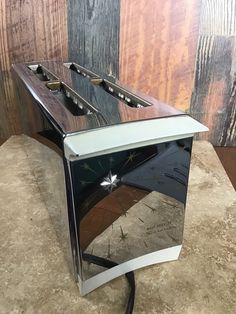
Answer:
(77, 105)
(42, 73)
(80, 70)
(120, 93)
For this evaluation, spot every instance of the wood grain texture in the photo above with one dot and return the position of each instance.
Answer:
(218, 17)
(213, 88)
(5, 102)
(29, 30)
(158, 41)
(93, 28)
(228, 137)
(214, 96)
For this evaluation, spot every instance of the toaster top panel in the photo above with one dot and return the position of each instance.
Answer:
(78, 99)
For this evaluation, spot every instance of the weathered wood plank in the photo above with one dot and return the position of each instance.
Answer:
(218, 17)
(4, 65)
(93, 27)
(8, 105)
(36, 29)
(4, 129)
(29, 30)
(158, 41)
(213, 93)
(214, 98)
(228, 137)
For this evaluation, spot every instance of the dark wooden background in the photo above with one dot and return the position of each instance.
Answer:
(179, 51)
(213, 99)
(93, 28)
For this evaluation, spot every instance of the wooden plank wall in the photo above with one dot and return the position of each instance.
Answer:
(183, 52)
(214, 93)
(87, 31)
(29, 30)
(179, 51)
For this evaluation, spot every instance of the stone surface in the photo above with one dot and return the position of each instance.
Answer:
(34, 277)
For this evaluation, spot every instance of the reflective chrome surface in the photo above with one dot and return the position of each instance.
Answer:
(119, 206)
(112, 103)
(131, 203)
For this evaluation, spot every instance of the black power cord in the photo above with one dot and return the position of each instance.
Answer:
(100, 261)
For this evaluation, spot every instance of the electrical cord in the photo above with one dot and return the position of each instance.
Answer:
(100, 261)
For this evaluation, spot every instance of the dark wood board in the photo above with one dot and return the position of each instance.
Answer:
(214, 97)
(228, 137)
(93, 34)
(213, 93)
(4, 105)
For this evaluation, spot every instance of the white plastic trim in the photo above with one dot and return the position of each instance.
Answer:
(90, 143)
